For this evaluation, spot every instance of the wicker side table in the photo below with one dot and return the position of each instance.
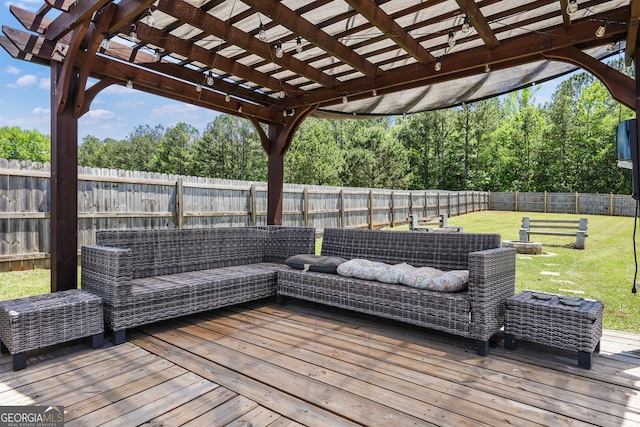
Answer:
(544, 319)
(43, 320)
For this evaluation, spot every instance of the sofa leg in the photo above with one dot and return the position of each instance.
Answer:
(119, 336)
(281, 299)
(97, 340)
(482, 347)
(19, 361)
(3, 348)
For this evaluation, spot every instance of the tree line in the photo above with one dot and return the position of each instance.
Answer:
(506, 143)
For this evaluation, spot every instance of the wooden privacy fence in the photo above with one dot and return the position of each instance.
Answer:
(565, 203)
(115, 199)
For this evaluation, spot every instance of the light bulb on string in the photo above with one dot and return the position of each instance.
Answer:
(282, 93)
(199, 87)
(133, 31)
(210, 78)
(262, 34)
(438, 65)
(150, 20)
(279, 51)
(239, 108)
(465, 25)
(602, 29)
(227, 98)
(487, 68)
(572, 7)
(105, 42)
(374, 92)
(451, 41)
(130, 82)
(299, 44)
(156, 55)
(345, 98)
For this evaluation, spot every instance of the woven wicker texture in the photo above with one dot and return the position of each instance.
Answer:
(42, 320)
(550, 322)
(149, 275)
(477, 313)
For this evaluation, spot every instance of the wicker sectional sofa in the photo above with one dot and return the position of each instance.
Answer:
(144, 276)
(477, 313)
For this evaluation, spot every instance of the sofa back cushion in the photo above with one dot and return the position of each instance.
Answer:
(444, 251)
(161, 252)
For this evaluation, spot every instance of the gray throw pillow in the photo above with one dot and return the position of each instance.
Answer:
(318, 263)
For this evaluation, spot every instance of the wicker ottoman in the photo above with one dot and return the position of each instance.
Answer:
(42, 320)
(564, 322)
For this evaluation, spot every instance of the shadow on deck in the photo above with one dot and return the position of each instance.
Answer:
(265, 365)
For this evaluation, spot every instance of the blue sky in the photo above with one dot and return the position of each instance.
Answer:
(114, 113)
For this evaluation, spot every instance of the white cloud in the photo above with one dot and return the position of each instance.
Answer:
(26, 80)
(41, 111)
(30, 5)
(175, 110)
(101, 114)
(10, 69)
(117, 90)
(45, 83)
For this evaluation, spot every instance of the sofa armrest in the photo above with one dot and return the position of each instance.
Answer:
(492, 279)
(107, 272)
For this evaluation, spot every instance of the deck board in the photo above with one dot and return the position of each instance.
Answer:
(303, 364)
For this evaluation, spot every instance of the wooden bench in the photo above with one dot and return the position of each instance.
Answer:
(555, 227)
(437, 223)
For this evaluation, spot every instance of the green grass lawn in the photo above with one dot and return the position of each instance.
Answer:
(604, 270)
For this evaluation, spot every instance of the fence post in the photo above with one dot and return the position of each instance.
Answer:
(179, 203)
(252, 205)
(370, 209)
(342, 208)
(577, 210)
(611, 203)
(426, 205)
(545, 201)
(438, 205)
(449, 204)
(305, 207)
(516, 193)
(410, 202)
(392, 210)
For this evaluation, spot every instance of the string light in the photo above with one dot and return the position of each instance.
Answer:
(130, 82)
(572, 7)
(292, 112)
(299, 44)
(227, 98)
(132, 31)
(105, 42)
(602, 28)
(210, 78)
(284, 113)
(262, 34)
(156, 55)
(282, 93)
(199, 87)
(374, 92)
(612, 46)
(279, 51)
(487, 68)
(452, 39)
(239, 108)
(345, 98)
(438, 65)
(465, 25)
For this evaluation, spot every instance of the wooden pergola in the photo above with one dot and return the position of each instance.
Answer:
(278, 62)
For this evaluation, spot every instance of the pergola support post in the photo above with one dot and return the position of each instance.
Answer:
(276, 144)
(64, 185)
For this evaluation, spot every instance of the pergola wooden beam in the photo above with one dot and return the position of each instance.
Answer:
(144, 80)
(522, 47)
(300, 26)
(81, 10)
(471, 9)
(622, 87)
(171, 43)
(214, 26)
(391, 29)
(632, 31)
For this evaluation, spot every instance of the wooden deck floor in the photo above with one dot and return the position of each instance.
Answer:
(265, 365)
